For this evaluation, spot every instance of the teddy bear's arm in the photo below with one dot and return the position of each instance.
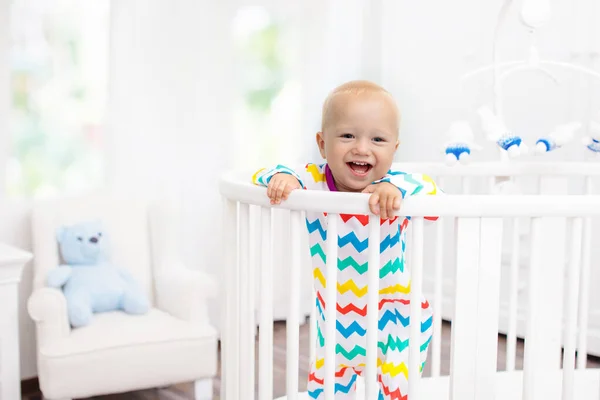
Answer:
(58, 276)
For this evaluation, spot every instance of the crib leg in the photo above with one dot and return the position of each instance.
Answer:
(203, 389)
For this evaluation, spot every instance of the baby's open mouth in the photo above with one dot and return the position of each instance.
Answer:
(359, 168)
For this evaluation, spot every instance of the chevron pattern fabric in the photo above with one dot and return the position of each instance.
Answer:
(351, 304)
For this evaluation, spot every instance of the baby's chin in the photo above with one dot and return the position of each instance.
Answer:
(351, 184)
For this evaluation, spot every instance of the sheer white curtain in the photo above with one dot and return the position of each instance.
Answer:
(347, 47)
(169, 134)
(173, 124)
(325, 39)
(330, 42)
(170, 99)
(4, 91)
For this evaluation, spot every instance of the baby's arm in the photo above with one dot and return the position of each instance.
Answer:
(263, 176)
(281, 180)
(412, 184)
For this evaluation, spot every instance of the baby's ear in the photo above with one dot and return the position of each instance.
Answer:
(321, 143)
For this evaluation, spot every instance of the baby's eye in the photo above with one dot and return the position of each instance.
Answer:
(347, 135)
(378, 139)
(80, 238)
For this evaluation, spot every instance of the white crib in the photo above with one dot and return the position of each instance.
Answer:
(469, 240)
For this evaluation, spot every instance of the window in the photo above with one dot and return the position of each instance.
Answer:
(59, 74)
(268, 110)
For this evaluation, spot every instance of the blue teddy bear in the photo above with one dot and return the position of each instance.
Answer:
(90, 283)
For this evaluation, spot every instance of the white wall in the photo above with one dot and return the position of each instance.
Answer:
(171, 89)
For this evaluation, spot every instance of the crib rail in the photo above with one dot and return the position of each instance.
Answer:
(480, 223)
(534, 178)
(442, 206)
(536, 169)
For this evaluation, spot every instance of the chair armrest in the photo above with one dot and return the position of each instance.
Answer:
(183, 292)
(48, 308)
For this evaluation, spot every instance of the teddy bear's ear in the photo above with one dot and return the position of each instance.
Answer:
(60, 234)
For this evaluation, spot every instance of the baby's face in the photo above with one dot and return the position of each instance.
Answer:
(360, 141)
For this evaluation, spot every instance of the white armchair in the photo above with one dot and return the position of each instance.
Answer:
(174, 342)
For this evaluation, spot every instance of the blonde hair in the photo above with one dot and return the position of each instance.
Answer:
(353, 88)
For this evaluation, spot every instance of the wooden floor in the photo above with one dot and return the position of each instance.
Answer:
(184, 390)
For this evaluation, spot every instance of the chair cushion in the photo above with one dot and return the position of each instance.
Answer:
(118, 352)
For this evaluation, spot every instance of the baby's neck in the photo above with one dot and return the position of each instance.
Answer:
(330, 179)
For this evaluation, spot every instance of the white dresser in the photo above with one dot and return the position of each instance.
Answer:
(12, 261)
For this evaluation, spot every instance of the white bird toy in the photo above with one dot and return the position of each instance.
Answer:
(592, 142)
(497, 132)
(561, 135)
(460, 143)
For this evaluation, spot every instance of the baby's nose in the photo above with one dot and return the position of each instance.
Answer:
(361, 147)
(94, 239)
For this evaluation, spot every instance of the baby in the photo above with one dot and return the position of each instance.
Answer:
(358, 138)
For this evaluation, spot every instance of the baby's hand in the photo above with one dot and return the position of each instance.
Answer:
(280, 186)
(385, 199)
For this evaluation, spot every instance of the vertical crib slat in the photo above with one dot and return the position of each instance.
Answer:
(230, 345)
(544, 325)
(416, 288)
(293, 320)
(265, 352)
(585, 285)
(543, 337)
(513, 298)
(464, 324)
(330, 305)
(488, 307)
(371, 386)
(250, 301)
(571, 311)
(438, 300)
(530, 355)
(246, 332)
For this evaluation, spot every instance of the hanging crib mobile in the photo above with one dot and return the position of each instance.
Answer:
(460, 141)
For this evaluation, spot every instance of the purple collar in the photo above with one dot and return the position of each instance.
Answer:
(330, 180)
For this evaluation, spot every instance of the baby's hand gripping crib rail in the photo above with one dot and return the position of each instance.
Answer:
(479, 232)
